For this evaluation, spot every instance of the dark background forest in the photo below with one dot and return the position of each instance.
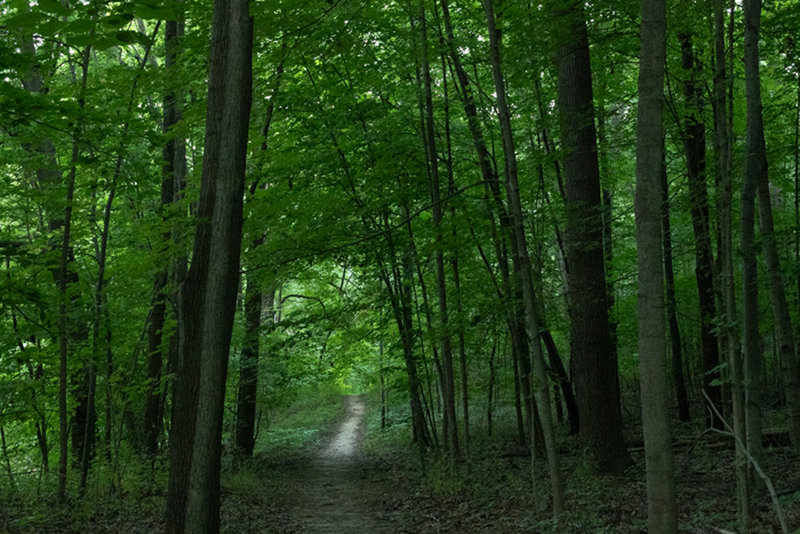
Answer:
(555, 248)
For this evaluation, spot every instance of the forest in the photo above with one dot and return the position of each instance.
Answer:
(403, 266)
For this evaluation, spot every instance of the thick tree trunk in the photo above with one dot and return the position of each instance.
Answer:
(211, 286)
(661, 501)
(593, 361)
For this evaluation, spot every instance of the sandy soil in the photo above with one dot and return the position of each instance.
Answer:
(335, 494)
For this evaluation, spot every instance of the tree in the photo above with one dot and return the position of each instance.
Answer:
(593, 358)
(723, 135)
(164, 285)
(661, 505)
(523, 265)
(755, 164)
(211, 286)
(450, 423)
(694, 142)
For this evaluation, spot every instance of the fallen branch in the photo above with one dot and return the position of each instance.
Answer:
(760, 472)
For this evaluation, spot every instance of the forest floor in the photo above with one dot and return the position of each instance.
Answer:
(332, 488)
(329, 467)
(349, 484)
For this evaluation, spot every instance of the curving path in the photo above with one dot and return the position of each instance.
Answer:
(335, 495)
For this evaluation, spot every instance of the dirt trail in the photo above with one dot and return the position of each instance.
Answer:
(334, 494)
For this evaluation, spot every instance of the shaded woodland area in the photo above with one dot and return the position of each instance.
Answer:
(554, 246)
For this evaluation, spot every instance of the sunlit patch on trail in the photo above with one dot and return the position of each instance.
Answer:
(345, 443)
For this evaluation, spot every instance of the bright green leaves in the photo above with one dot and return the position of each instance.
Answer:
(84, 25)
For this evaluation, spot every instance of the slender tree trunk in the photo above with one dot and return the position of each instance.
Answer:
(755, 164)
(454, 260)
(450, 424)
(557, 367)
(172, 167)
(522, 260)
(211, 286)
(695, 150)
(511, 294)
(670, 304)
(592, 359)
(398, 286)
(797, 183)
(661, 501)
(66, 330)
(723, 146)
(248, 366)
(790, 372)
(490, 395)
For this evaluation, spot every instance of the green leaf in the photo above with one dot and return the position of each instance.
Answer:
(154, 10)
(80, 26)
(118, 20)
(52, 6)
(26, 20)
(128, 36)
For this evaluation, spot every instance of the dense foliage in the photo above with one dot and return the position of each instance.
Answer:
(378, 235)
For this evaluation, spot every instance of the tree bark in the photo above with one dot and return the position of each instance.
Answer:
(790, 372)
(724, 149)
(248, 367)
(694, 142)
(211, 286)
(593, 361)
(671, 306)
(661, 500)
(173, 171)
(754, 165)
(522, 261)
(510, 294)
(450, 423)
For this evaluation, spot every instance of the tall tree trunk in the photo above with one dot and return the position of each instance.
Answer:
(661, 501)
(592, 356)
(64, 277)
(59, 213)
(398, 286)
(450, 424)
(511, 293)
(790, 372)
(723, 147)
(694, 142)
(254, 304)
(522, 260)
(454, 260)
(670, 304)
(173, 171)
(211, 286)
(255, 301)
(754, 165)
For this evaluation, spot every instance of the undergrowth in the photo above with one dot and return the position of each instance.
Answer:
(129, 495)
(491, 490)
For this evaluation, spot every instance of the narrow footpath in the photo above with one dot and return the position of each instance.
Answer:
(334, 494)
